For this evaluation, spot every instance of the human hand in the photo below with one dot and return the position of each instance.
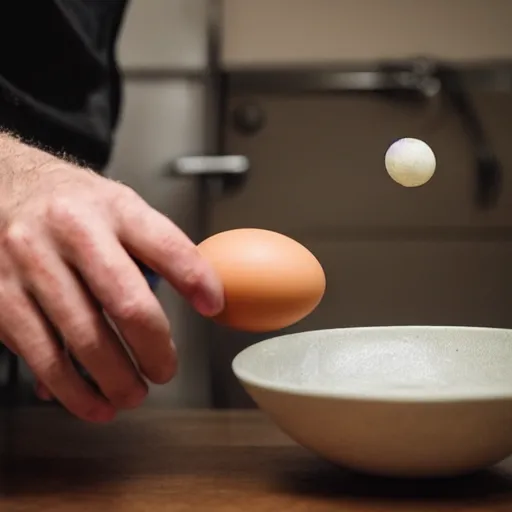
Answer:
(67, 238)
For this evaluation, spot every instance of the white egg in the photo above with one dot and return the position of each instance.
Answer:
(410, 162)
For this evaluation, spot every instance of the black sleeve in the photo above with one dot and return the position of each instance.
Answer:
(59, 83)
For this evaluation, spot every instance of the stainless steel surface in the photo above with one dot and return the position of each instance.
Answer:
(211, 165)
(417, 75)
(218, 175)
(163, 74)
(349, 77)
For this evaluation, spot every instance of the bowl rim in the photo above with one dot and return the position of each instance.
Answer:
(247, 378)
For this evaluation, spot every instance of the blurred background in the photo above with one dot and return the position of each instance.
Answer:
(304, 97)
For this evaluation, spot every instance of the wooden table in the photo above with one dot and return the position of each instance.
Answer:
(159, 461)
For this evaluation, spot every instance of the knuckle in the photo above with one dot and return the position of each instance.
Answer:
(50, 369)
(83, 337)
(190, 267)
(62, 210)
(125, 203)
(170, 245)
(193, 278)
(128, 192)
(71, 222)
(125, 195)
(134, 310)
(179, 247)
(18, 237)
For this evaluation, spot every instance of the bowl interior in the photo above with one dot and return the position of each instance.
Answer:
(406, 363)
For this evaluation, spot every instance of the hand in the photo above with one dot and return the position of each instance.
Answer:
(67, 238)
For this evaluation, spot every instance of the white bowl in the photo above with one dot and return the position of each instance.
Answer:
(394, 401)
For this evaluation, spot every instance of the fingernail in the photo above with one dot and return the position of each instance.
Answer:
(209, 303)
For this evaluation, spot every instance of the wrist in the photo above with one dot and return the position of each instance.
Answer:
(21, 167)
(18, 157)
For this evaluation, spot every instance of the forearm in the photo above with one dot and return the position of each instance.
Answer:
(14, 150)
(20, 165)
(23, 165)
(17, 157)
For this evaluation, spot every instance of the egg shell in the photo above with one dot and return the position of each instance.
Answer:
(270, 280)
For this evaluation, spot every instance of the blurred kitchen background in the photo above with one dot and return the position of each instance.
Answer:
(310, 94)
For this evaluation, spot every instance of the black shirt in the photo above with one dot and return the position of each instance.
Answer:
(59, 82)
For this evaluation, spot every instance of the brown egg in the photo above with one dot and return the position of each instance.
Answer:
(270, 281)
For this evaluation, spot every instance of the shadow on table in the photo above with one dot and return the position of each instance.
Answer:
(328, 481)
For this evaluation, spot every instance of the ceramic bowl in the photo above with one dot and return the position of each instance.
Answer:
(394, 401)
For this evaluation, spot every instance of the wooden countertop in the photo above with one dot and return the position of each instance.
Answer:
(159, 461)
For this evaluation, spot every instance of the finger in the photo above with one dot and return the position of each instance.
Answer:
(42, 392)
(28, 334)
(116, 282)
(80, 322)
(160, 244)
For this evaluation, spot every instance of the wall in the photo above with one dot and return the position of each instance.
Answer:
(297, 31)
